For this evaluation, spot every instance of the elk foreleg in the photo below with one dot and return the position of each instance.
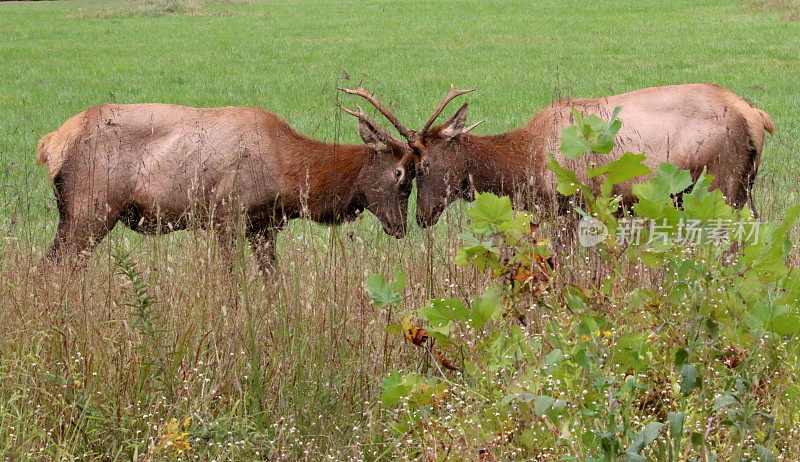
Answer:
(262, 242)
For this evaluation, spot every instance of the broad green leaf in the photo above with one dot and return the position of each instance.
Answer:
(646, 208)
(645, 436)
(485, 307)
(792, 281)
(676, 420)
(672, 179)
(723, 401)
(440, 311)
(603, 133)
(441, 334)
(581, 359)
(575, 303)
(681, 357)
(488, 211)
(568, 182)
(647, 191)
(703, 204)
(788, 220)
(633, 341)
(516, 228)
(669, 180)
(650, 258)
(559, 406)
(396, 387)
(619, 171)
(399, 283)
(521, 397)
(573, 143)
(423, 393)
(575, 298)
(767, 261)
(786, 324)
(542, 405)
(477, 255)
(393, 328)
(588, 326)
(554, 356)
(689, 380)
(589, 134)
(765, 312)
(631, 350)
(613, 125)
(508, 348)
(383, 293)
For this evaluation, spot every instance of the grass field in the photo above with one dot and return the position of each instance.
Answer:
(291, 368)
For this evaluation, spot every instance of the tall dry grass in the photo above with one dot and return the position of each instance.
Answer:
(97, 364)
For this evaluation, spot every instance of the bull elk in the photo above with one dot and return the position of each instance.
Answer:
(161, 167)
(696, 127)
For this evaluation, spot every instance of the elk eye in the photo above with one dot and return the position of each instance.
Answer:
(425, 164)
(398, 173)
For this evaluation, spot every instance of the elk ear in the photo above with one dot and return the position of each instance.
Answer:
(455, 125)
(373, 136)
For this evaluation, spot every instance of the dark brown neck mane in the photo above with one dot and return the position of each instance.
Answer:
(502, 163)
(325, 176)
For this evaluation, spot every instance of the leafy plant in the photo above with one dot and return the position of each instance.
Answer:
(146, 320)
(624, 369)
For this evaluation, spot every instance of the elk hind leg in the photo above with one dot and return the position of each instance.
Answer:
(83, 222)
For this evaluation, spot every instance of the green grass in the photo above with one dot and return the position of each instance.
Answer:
(55, 60)
(311, 338)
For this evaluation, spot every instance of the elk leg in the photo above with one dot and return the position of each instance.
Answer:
(752, 204)
(76, 239)
(55, 252)
(225, 235)
(262, 242)
(82, 224)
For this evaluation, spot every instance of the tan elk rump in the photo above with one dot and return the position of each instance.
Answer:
(161, 167)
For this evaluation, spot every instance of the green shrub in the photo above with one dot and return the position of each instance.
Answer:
(682, 350)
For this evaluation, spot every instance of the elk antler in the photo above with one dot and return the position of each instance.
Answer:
(360, 91)
(449, 97)
(363, 117)
(468, 129)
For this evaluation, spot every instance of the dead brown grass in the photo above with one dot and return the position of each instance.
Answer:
(301, 353)
(154, 8)
(789, 8)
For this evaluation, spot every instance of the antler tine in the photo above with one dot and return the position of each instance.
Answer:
(466, 130)
(359, 114)
(362, 116)
(449, 97)
(360, 91)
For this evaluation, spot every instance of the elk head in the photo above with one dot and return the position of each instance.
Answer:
(441, 167)
(386, 176)
(442, 162)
